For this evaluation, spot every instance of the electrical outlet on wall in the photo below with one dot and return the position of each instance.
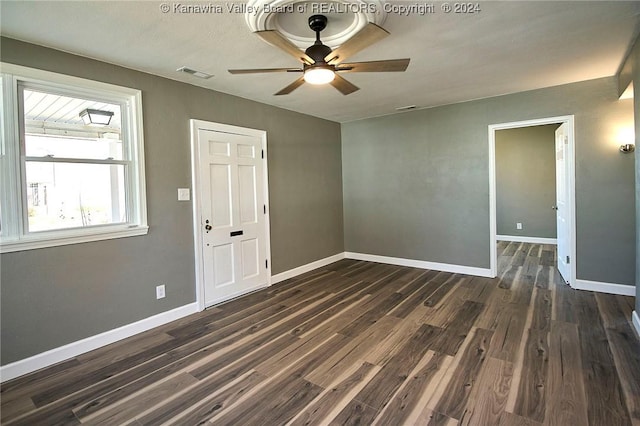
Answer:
(519, 225)
(160, 292)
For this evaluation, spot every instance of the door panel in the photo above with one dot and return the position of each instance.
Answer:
(247, 194)
(246, 151)
(232, 188)
(220, 178)
(250, 257)
(222, 265)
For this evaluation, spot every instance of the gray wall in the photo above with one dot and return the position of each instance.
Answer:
(54, 296)
(526, 181)
(416, 185)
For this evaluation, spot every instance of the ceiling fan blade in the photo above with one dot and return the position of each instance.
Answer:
(262, 70)
(278, 40)
(290, 88)
(343, 85)
(375, 66)
(368, 35)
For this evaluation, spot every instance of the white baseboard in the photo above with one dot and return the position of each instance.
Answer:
(531, 240)
(422, 264)
(53, 356)
(636, 322)
(306, 268)
(621, 289)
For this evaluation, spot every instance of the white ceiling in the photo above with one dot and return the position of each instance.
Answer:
(507, 47)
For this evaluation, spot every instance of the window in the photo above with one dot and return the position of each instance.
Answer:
(71, 160)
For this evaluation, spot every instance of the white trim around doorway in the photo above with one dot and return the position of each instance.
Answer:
(569, 119)
(196, 202)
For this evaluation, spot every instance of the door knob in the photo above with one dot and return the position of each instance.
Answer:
(554, 207)
(207, 227)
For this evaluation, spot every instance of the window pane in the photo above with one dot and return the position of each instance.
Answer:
(69, 195)
(54, 126)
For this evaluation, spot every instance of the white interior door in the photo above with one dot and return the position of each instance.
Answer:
(562, 201)
(232, 214)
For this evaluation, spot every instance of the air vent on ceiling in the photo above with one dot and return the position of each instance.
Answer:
(194, 73)
(406, 108)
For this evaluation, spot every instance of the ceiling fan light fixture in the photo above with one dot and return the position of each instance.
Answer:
(319, 75)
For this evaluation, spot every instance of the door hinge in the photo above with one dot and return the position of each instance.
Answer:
(568, 260)
(263, 153)
(266, 263)
(265, 208)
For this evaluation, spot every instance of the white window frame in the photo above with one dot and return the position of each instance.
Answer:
(14, 235)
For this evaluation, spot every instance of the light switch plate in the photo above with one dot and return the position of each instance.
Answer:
(184, 194)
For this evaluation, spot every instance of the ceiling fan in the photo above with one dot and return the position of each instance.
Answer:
(321, 65)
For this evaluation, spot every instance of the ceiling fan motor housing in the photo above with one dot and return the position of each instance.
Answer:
(318, 51)
(317, 23)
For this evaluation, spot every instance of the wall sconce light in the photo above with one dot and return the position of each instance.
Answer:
(96, 117)
(627, 148)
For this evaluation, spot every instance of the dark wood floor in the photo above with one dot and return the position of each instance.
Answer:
(363, 343)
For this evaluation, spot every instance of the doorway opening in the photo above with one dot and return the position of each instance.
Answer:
(513, 236)
(230, 211)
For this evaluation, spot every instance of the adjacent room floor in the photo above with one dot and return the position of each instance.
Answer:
(362, 343)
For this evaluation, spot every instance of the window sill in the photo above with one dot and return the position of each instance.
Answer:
(67, 239)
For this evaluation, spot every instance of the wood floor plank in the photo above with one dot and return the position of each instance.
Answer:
(543, 277)
(605, 398)
(336, 397)
(542, 310)
(337, 362)
(379, 390)
(453, 403)
(17, 407)
(25, 384)
(219, 401)
(381, 353)
(127, 409)
(508, 333)
(508, 276)
(532, 390)
(364, 343)
(405, 402)
(566, 401)
(490, 393)
(521, 254)
(480, 289)
(510, 419)
(440, 293)
(565, 301)
(547, 258)
(625, 348)
(428, 284)
(439, 419)
(522, 288)
(456, 331)
(287, 396)
(355, 413)
(246, 410)
(371, 316)
(509, 248)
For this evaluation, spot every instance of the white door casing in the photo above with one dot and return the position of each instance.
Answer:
(562, 197)
(231, 223)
